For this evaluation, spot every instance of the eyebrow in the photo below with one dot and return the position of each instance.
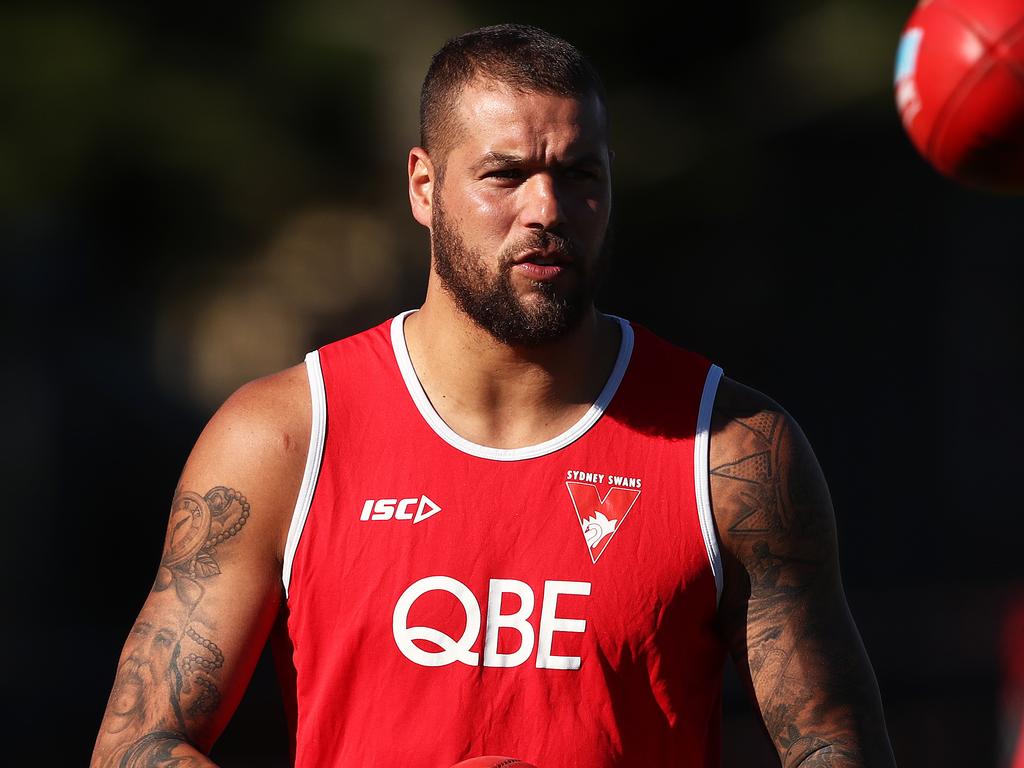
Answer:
(504, 159)
(498, 159)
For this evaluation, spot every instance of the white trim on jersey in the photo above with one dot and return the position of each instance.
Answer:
(449, 435)
(317, 430)
(702, 478)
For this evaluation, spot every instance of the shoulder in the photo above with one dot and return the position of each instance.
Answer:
(746, 422)
(278, 403)
(257, 441)
(270, 415)
(766, 483)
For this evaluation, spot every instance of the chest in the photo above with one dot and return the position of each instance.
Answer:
(450, 559)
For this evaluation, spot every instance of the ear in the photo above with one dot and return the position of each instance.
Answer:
(421, 185)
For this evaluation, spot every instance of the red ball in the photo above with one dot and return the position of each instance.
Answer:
(493, 762)
(960, 89)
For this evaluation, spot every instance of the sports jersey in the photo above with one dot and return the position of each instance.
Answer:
(555, 602)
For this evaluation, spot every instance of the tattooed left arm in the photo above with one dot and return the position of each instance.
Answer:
(783, 610)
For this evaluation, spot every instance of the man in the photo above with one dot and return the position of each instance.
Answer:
(505, 523)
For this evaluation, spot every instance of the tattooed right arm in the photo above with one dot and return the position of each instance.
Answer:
(191, 652)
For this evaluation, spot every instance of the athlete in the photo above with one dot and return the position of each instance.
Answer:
(504, 523)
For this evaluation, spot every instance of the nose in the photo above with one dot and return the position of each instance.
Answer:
(542, 206)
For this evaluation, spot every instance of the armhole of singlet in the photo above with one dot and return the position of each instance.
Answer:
(702, 477)
(317, 430)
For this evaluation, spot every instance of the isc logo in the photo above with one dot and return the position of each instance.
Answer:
(417, 509)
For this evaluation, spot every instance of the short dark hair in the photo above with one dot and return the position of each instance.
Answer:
(519, 56)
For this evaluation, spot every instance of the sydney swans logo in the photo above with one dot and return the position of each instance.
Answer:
(600, 518)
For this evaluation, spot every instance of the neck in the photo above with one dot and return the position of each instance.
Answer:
(505, 396)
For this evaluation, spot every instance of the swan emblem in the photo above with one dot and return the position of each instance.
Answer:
(596, 528)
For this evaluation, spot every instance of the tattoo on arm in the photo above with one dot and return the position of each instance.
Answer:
(814, 686)
(167, 679)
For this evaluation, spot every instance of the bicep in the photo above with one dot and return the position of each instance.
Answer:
(193, 647)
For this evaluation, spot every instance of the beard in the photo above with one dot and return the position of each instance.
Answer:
(490, 299)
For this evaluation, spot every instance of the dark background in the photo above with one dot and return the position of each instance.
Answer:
(195, 196)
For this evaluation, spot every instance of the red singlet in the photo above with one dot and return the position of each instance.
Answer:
(555, 603)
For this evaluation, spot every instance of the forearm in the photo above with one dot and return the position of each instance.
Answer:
(832, 756)
(159, 749)
(818, 696)
(851, 750)
(843, 748)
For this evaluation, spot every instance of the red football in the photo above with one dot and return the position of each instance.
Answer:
(960, 89)
(492, 761)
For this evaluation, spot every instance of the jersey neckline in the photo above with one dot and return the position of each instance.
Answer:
(450, 436)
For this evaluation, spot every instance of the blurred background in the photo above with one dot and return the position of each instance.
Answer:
(193, 195)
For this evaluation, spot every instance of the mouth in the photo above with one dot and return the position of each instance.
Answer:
(129, 673)
(551, 257)
(539, 273)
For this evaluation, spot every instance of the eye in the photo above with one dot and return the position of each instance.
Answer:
(507, 174)
(580, 174)
(164, 638)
